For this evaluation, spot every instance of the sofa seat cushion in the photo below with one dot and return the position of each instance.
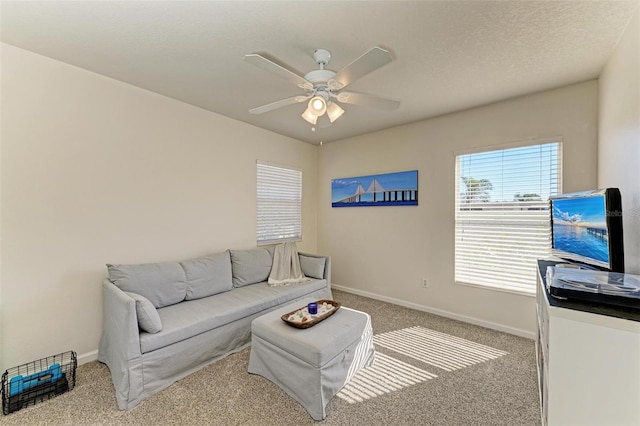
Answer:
(192, 317)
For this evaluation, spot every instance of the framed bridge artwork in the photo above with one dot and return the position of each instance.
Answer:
(389, 189)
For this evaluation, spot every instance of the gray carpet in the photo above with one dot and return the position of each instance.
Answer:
(499, 390)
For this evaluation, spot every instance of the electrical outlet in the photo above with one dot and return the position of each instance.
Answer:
(425, 283)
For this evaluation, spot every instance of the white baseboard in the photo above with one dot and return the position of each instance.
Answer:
(87, 357)
(440, 312)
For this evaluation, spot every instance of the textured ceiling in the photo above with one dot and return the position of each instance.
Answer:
(448, 55)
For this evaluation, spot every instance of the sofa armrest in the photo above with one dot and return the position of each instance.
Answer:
(120, 322)
(327, 265)
(120, 341)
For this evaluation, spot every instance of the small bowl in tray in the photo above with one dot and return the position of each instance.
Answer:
(314, 321)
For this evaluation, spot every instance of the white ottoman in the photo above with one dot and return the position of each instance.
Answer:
(311, 365)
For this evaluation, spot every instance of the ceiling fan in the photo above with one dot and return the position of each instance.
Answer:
(323, 88)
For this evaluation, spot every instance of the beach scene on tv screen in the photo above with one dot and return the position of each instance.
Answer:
(580, 227)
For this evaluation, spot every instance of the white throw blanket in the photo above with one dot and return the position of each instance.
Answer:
(286, 266)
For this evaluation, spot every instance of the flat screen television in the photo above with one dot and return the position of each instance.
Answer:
(586, 228)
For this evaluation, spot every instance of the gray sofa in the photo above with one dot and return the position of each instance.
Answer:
(164, 321)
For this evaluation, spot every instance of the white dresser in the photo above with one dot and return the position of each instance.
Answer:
(588, 360)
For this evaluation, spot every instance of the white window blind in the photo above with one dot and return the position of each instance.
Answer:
(279, 201)
(502, 214)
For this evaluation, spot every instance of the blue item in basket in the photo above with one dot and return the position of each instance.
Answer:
(20, 384)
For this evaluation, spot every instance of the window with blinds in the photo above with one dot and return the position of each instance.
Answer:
(279, 204)
(502, 214)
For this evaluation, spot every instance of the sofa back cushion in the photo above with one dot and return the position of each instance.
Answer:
(312, 266)
(250, 266)
(162, 283)
(208, 275)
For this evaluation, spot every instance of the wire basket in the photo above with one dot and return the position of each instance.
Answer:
(36, 381)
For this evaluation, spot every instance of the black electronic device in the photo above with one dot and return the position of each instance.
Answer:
(602, 287)
(586, 227)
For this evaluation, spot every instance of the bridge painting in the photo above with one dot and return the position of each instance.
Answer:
(390, 189)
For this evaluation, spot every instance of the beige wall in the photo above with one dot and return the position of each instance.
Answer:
(386, 251)
(619, 135)
(96, 171)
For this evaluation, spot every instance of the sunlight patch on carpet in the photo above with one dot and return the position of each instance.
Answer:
(386, 375)
(441, 350)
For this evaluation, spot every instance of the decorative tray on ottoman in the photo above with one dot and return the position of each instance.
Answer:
(300, 318)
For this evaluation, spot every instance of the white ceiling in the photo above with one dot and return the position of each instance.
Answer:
(448, 55)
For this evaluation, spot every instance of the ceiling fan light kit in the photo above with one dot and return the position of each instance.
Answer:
(323, 87)
(310, 117)
(318, 105)
(334, 111)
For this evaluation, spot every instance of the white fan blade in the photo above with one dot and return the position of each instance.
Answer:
(367, 100)
(268, 65)
(370, 61)
(278, 104)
